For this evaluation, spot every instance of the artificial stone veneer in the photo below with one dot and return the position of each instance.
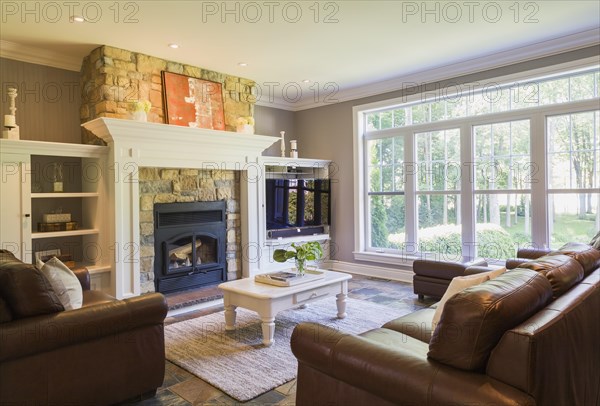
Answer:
(170, 185)
(113, 77)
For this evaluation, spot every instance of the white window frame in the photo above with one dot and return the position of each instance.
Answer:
(536, 115)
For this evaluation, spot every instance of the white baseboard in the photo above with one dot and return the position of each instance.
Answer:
(395, 274)
(192, 308)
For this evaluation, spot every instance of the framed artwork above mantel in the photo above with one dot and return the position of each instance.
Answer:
(192, 102)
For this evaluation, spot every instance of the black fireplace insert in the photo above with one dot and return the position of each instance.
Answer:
(189, 245)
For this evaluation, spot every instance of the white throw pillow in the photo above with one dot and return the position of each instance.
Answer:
(458, 284)
(496, 272)
(64, 282)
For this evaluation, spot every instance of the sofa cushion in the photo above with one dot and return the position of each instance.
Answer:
(457, 285)
(562, 271)
(474, 320)
(587, 256)
(64, 282)
(25, 289)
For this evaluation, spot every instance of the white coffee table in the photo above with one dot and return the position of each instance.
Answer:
(268, 300)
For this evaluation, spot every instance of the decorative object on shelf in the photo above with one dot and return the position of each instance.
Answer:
(11, 130)
(308, 251)
(245, 125)
(57, 177)
(293, 149)
(282, 143)
(139, 110)
(66, 226)
(56, 217)
(192, 102)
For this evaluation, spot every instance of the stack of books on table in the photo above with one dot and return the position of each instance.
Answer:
(288, 278)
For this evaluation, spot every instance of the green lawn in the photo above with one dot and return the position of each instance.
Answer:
(567, 227)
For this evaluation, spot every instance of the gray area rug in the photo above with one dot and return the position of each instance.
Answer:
(239, 364)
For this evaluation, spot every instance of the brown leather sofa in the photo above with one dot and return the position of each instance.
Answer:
(432, 277)
(103, 353)
(528, 337)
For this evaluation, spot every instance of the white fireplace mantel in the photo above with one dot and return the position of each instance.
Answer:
(135, 144)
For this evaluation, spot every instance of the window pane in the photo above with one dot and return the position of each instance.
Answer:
(438, 160)
(387, 221)
(554, 91)
(573, 217)
(457, 107)
(399, 118)
(573, 145)
(500, 99)
(372, 121)
(438, 111)
(420, 114)
(478, 104)
(503, 221)
(582, 87)
(386, 119)
(502, 154)
(439, 224)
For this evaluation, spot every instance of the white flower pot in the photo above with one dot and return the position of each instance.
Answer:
(245, 129)
(139, 116)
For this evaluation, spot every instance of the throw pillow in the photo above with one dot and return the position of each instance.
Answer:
(64, 282)
(25, 289)
(497, 272)
(596, 241)
(475, 319)
(458, 284)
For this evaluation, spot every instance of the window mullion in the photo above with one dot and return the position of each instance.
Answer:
(467, 186)
(539, 181)
(410, 189)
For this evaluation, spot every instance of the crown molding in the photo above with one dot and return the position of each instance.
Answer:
(39, 56)
(25, 53)
(491, 61)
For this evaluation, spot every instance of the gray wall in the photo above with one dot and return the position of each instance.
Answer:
(48, 101)
(270, 121)
(326, 133)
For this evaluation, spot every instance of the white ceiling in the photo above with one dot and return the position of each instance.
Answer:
(358, 47)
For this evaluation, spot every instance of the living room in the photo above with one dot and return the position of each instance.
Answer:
(416, 144)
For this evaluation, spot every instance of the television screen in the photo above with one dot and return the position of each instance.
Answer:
(295, 203)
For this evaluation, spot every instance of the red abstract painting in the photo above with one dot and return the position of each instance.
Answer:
(192, 102)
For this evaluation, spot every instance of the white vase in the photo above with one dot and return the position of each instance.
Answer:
(139, 116)
(245, 129)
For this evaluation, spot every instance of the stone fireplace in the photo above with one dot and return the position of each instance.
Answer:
(155, 163)
(168, 186)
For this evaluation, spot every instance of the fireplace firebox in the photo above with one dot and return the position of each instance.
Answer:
(189, 245)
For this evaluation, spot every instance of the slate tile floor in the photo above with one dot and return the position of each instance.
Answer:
(180, 388)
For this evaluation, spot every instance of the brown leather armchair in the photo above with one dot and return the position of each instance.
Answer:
(105, 352)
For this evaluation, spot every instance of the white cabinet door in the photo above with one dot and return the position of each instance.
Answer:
(15, 206)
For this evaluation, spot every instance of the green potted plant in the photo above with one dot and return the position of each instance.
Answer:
(308, 251)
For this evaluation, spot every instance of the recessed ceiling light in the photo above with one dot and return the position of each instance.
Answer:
(242, 64)
(306, 81)
(174, 46)
(77, 19)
